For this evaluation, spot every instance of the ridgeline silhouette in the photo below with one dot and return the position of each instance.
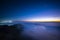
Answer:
(10, 32)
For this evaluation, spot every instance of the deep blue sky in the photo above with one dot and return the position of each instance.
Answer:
(27, 9)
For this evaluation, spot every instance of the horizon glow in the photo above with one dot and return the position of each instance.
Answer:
(43, 20)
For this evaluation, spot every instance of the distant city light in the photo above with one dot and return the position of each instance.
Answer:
(6, 21)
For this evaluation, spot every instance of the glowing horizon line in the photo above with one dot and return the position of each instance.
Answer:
(43, 20)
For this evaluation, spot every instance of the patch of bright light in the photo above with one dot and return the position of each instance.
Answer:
(43, 19)
(7, 21)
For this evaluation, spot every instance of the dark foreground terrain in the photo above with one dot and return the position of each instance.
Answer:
(30, 31)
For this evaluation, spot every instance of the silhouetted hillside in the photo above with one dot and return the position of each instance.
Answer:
(10, 32)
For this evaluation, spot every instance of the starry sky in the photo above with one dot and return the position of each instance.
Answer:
(29, 9)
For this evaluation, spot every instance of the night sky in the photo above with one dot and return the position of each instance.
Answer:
(29, 9)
